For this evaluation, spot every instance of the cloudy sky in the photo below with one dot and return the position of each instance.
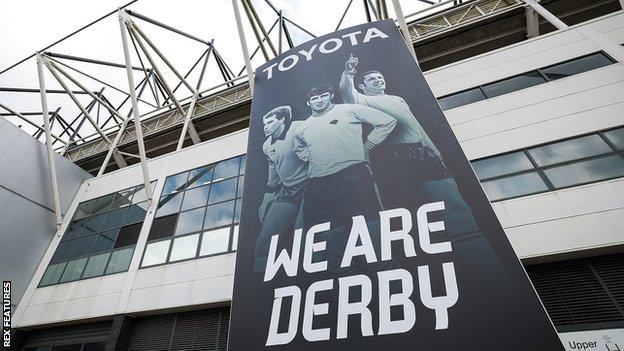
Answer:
(29, 25)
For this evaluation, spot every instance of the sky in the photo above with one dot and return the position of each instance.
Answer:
(28, 25)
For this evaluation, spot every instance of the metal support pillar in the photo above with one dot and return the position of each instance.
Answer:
(546, 14)
(191, 106)
(264, 32)
(255, 30)
(135, 107)
(532, 22)
(241, 36)
(50, 151)
(279, 32)
(403, 27)
(382, 9)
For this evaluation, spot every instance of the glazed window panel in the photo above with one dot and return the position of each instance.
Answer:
(120, 260)
(184, 247)
(96, 265)
(568, 150)
(196, 197)
(616, 137)
(215, 241)
(513, 84)
(223, 191)
(502, 165)
(523, 184)
(461, 98)
(587, 171)
(53, 274)
(175, 183)
(219, 215)
(577, 66)
(226, 169)
(156, 253)
(200, 176)
(190, 221)
(74, 269)
(196, 202)
(169, 203)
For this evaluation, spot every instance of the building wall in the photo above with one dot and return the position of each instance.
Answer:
(565, 221)
(27, 222)
(559, 221)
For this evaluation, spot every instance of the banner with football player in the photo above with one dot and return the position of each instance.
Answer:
(363, 225)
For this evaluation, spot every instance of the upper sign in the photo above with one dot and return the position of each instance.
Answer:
(363, 225)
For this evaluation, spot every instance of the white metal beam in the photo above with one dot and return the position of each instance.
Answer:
(403, 27)
(243, 41)
(135, 106)
(50, 151)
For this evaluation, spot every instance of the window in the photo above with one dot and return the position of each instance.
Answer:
(513, 84)
(462, 98)
(577, 66)
(198, 214)
(100, 238)
(526, 80)
(557, 165)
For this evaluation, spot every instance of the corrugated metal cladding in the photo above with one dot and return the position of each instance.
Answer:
(197, 330)
(582, 294)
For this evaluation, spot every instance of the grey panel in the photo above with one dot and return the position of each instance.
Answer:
(26, 216)
(26, 230)
(27, 172)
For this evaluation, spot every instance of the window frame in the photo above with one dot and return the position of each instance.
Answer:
(540, 169)
(231, 225)
(64, 239)
(538, 70)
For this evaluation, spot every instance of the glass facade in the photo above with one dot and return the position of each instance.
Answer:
(100, 238)
(556, 165)
(198, 213)
(526, 80)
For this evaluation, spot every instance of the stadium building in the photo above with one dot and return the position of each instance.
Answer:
(538, 110)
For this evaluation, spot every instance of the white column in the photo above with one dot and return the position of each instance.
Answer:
(46, 126)
(135, 107)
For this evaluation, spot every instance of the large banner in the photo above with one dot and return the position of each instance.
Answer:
(363, 225)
